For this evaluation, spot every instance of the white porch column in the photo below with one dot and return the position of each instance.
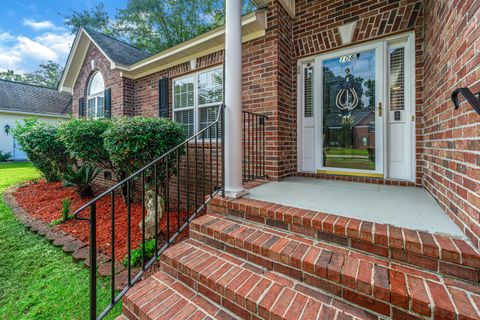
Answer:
(233, 99)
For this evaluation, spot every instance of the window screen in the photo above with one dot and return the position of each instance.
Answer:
(199, 95)
(185, 117)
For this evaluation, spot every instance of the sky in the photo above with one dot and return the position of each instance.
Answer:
(32, 31)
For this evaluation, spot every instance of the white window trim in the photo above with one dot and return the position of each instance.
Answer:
(94, 97)
(196, 107)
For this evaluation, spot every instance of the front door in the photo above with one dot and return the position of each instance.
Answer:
(351, 111)
(356, 111)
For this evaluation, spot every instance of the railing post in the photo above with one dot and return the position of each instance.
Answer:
(93, 261)
(222, 117)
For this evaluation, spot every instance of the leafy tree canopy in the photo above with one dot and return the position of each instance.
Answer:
(47, 75)
(155, 25)
(96, 18)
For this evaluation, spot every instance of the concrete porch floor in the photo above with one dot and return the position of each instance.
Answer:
(407, 207)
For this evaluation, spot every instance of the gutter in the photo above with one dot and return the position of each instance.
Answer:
(48, 115)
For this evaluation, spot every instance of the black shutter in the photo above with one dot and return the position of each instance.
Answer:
(81, 107)
(108, 103)
(163, 98)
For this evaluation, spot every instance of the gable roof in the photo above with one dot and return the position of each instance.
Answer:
(27, 98)
(134, 63)
(118, 51)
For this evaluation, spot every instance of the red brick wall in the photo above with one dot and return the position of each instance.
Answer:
(112, 80)
(315, 31)
(452, 137)
(260, 85)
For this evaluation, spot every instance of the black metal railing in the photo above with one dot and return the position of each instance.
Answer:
(169, 177)
(254, 146)
(473, 99)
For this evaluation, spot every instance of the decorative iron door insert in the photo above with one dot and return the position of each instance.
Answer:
(349, 102)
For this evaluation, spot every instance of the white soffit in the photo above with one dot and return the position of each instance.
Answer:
(346, 32)
(253, 27)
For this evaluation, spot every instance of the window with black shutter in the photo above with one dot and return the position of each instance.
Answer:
(108, 103)
(163, 98)
(81, 107)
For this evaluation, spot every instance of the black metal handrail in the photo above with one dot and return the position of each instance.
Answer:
(170, 162)
(473, 99)
(254, 146)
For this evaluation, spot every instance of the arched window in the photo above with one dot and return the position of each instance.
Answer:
(96, 96)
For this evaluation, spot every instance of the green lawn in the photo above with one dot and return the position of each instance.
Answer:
(38, 280)
(346, 151)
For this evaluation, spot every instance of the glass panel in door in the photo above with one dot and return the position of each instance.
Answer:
(349, 111)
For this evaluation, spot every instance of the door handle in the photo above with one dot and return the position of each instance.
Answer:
(380, 109)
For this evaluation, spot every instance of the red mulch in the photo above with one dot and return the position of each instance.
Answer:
(43, 201)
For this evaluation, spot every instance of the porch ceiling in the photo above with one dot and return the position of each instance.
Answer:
(406, 207)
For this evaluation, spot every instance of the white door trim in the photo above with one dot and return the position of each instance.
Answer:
(409, 38)
(379, 98)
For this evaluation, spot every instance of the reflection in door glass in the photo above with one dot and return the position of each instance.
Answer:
(349, 111)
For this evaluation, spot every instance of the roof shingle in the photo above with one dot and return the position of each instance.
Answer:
(16, 96)
(118, 51)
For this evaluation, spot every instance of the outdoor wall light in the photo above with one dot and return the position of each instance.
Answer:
(7, 129)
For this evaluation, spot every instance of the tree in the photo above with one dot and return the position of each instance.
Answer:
(96, 18)
(155, 25)
(47, 75)
(11, 75)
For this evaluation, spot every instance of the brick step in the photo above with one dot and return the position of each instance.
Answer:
(374, 283)
(249, 291)
(439, 253)
(163, 297)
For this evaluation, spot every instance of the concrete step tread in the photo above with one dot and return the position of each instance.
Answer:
(341, 271)
(249, 291)
(381, 239)
(163, 297)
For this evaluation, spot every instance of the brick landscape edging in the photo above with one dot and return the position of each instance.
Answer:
(69, 244)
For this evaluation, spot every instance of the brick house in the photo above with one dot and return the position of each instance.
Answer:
(357, 93)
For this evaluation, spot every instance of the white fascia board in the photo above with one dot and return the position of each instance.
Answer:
(134, 71)
(69, 60)
(36, 114)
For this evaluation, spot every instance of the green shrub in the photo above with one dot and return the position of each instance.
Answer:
(136, 254)
(66, 208)
(81, 178)
(84, 140)
(5, 156)
(40, 141)
(134, 142)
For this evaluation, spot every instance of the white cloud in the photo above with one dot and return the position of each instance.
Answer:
(33, 48)
(5, 36)
(23, 54)
(39, 25)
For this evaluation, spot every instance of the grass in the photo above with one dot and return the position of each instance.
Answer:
(38, 280)
(346, 151)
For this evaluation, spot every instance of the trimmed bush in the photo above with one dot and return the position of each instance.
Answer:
(134, 142)
(5, 156)
(40, 141)
(84, 140)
